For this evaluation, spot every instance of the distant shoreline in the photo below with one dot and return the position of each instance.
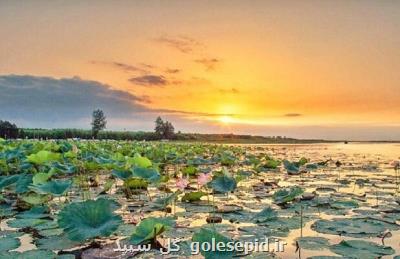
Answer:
(177, 137)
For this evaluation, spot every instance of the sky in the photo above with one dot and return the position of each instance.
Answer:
(304, 69)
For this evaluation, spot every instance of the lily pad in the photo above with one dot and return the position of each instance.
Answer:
(287, 195)
(360, 249)
(208, 236)
(149, 228)
(313, 243)
(55, 187)
(89, 219)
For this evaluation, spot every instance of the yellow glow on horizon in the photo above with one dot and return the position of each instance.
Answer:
(226, 119)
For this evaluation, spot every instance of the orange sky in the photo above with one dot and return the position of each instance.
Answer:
(242, 63)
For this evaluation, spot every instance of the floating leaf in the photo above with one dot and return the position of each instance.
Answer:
(55, 187)
(6, 181)
(40, 178)
(149, 174)
(360, 249)
(123, 175)
(313, 243)
(59, 242)
(287, 195)
(192, 196)
(266, 214)
(9, 243)
(359, 227)
(209, 236)
(43, 157)
(89, 219)
(223, 184)
(149, 228)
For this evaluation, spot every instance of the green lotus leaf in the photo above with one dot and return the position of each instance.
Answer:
(302, 161)
(34, 213)
(89, 219)
(290, 167)
(223, 183)
(40, 178)
(26, 222)
(31, 254)
(35, 198)
(149, 228)
(206, 235)
(42, 157)
(360, 249)
(313, 243)
(9, 243)
(163, 202)
(123, 175)
(59, 242)
(149, 174)
(6, 181)
(345, 204)
(192, 196)
(6, 210)
(55, 187)
(189, 170)
(139, 161)
(23, 183)
(358, 227)
(287, 194)
(267, 214)
(136, 183)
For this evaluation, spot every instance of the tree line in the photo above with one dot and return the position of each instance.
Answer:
(163, 130)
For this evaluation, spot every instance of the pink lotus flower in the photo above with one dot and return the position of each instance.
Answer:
(203, 179)
(181, 183)
(395, 164)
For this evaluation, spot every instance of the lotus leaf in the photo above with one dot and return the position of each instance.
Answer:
(192, 196)
(267, 214)
(149, 228)
(206, 235)
(360, 249)
(42, 157)
(313, 243)
(149, 174)
(89, 219)
(223, 184)
(287, 195)
(55, 187)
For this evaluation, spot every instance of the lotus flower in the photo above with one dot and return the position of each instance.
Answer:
(203, 179)
(182, 183)
(395, 164)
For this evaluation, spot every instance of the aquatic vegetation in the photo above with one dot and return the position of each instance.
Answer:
(89, 219)
(361, 249)
(206, 235)
(148, 230)
(286, 195)
(79, 194)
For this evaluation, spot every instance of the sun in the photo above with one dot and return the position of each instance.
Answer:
(225, 119)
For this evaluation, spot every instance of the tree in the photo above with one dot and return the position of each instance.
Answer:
(163, 129)
(159, 129)
(8, 130)
(99, 122)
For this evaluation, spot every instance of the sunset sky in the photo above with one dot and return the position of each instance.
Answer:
(306, 69)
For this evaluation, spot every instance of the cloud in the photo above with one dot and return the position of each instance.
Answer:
(172, 70)
(154, 80)
(208, 63)
(149, 80)
(293, 115)
(142, 68)
(49, 101)
(183, 44)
